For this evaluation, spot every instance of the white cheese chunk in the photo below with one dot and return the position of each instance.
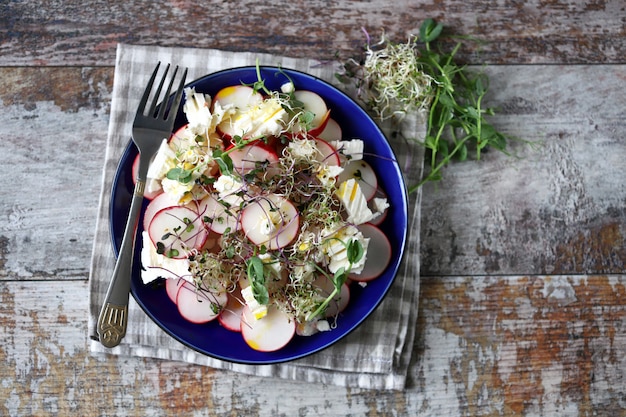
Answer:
(355, 203)
(258, 310)
(163, 161)
(156, 266)
(353, 149)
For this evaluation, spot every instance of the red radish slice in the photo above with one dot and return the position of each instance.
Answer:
(220, 216)
(339, 302)
(182, 139)
(172, 286)
(238, 96)
(230, 317)
(364, 174)
(328, 153)
(272, 221)
(372, 206)
(332, 131)
(178, 229)
(253, 156)
(134, 170)
(270, 333)
(160, 202)
(378, 253)
(199, 306)
(315, 104)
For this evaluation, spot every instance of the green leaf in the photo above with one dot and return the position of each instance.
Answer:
(355, 251)
(339, 278)
(179, 174)
(256, 275)
(430, 30)
(443, 149)
(224, 161)
(462, 153)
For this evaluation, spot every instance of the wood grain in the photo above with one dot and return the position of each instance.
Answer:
(555, 208)
(35, 33)
(521, 310)
(490, 345)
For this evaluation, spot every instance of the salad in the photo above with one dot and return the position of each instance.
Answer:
(262, 215)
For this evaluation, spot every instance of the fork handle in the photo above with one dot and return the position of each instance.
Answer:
(113, 317)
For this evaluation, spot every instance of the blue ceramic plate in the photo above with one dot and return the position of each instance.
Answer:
(212, 339)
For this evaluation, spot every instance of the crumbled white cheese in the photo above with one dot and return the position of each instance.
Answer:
(227, 185)
(175, 189)
(287, 88)
(353, 149)
(156, 266)
(198, 112)
(355, 203)
(336, 250)
(258, 310)
(303, 149)
(322, 325)
(328, 173)
(266, 118)
(163, 161)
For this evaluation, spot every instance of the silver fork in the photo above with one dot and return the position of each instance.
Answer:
(150, 127)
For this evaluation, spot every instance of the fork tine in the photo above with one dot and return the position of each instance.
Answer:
(157, 94)
(177, 98)
(146, 93)
(161, 114)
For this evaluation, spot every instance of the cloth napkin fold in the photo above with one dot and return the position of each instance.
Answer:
(375, 356)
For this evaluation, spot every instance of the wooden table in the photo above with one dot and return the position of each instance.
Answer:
(522, 306)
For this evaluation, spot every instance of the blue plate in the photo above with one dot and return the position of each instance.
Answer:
(212, 339)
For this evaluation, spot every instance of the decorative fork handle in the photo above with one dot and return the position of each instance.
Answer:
(112, 324)
(113, 317)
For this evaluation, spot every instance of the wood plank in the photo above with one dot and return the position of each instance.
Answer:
(557, 209)
(54, 127)
(486, 346)
(35, 33)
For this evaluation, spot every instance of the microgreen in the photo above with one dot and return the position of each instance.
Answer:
(179, 174)
(395, 79)
(256, 275)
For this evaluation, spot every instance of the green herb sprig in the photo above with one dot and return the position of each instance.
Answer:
(354, 252)
(396, 79)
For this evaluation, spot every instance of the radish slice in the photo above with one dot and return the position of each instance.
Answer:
(372, 204)
(364, 174)
(339, 301)
(182, 139)
(230, 317)
(328, 153)
(199, 306)
(315, 104)
(378, 253)
(172, 286)
(178, 229)
(218, 215)
(270, 333)
(332, 131)
(150, 195)
(271, 220)
(257, 155)
(160, 202)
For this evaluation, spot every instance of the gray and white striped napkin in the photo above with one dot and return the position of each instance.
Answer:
(375, 356)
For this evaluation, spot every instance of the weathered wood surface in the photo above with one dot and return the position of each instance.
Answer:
(75, 32)
(522, 308)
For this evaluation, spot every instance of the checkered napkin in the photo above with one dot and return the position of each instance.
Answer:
(374, 356)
